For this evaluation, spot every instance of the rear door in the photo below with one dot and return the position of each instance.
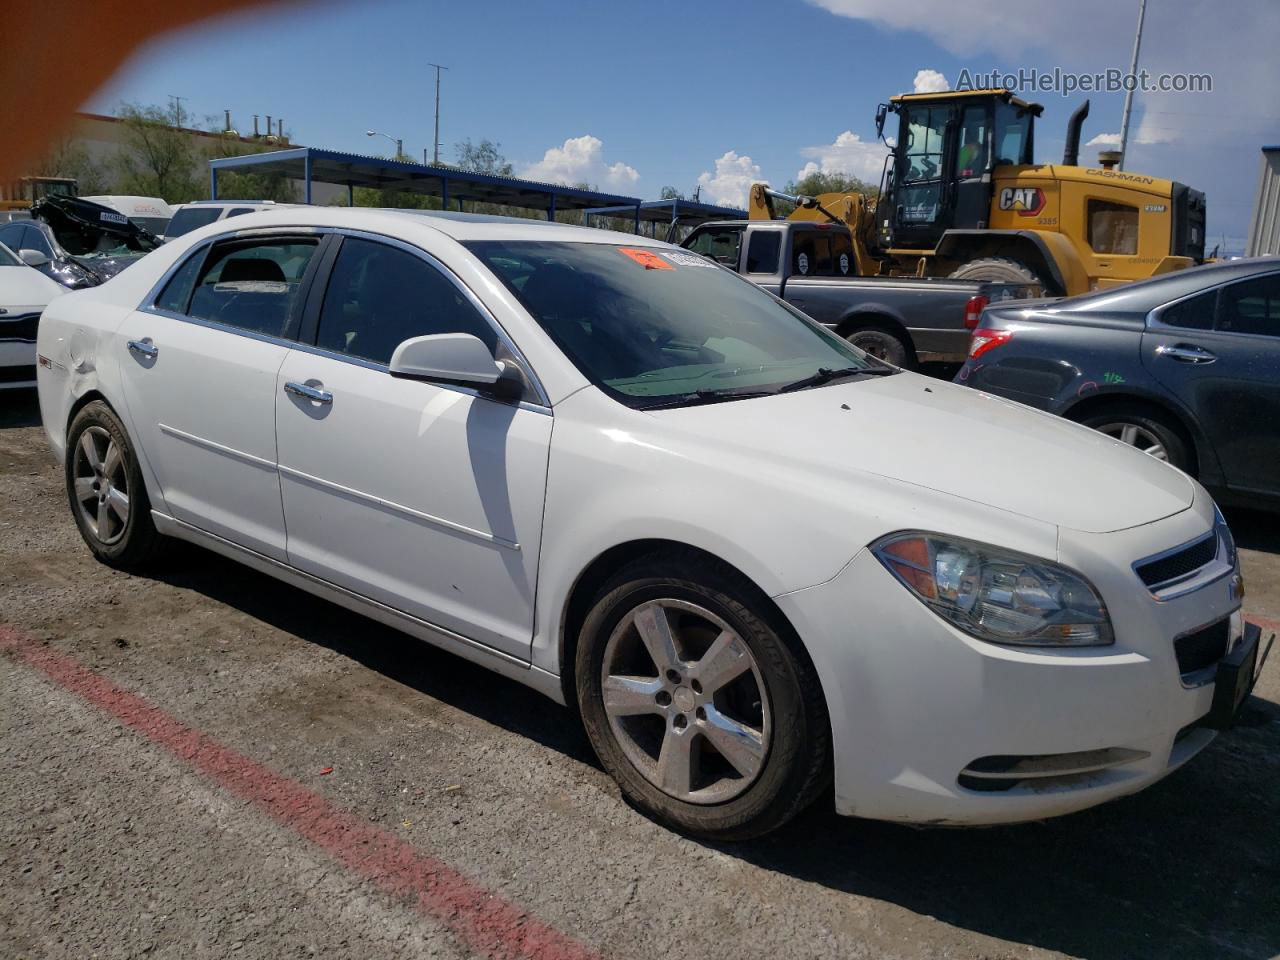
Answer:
(199, 368)
(1219, 353)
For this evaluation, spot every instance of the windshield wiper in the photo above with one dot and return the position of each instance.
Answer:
(826, 375)
(704, 396)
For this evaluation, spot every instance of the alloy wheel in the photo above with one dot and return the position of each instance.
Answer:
(686, 701)
(101, 483)
(1136, 436)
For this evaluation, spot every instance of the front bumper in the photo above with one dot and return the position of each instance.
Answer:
(915, 702)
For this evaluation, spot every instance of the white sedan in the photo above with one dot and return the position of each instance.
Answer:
(24, 293)
(754, 560)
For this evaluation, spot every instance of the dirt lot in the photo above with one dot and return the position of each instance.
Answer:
(209, 764)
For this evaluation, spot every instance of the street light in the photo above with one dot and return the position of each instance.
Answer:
(399, 143)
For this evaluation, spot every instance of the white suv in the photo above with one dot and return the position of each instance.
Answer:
(200, 213)
(753, 559)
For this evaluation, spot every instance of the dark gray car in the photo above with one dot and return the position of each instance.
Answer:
(1185, 366)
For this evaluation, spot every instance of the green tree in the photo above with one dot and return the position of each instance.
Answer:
(69, 158)
(671, 193)
(483, 157)
(234, 185)
(160, 158)
(822, 182)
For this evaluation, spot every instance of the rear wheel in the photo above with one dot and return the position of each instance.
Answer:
(705, 716)
(105, 488)
(998, 270)
(1144, 430)
(881, 344)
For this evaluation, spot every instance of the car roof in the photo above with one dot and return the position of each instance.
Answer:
(1145, 295)
(460, 226)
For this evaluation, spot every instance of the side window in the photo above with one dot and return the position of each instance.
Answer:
(1113, 227)
(36, 240)
(720, 245)
(189, 218)
(971, 145)
(379, 296)
(1251, 306)
(253, 284)
(803, 255)
(926, 128)
(177, 292)
(238, 211)
(12, 236)
(762, 251)
(1194, 313)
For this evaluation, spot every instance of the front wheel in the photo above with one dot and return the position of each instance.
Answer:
(1144, 431)
(881, 344)
(106, 490)
(703, 713)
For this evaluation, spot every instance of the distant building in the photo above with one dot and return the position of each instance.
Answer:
(1264, 229)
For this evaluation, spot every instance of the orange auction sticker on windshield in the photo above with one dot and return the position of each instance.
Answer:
(650, 261)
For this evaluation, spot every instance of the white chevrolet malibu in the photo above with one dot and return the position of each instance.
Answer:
(757, 562)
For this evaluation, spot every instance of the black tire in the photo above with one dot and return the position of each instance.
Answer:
(999, 270)
(796, 763)
(132, 543)
(1150, 425)
(882, 344)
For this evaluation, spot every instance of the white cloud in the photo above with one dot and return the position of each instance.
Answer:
(1105, 140)
(732, 180)
(581, 160)
(930, 81)
(848, 154)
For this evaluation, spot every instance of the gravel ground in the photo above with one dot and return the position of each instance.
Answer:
(111, 846)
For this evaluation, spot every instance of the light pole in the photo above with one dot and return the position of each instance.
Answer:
(435, 143)
(1128, 94)
(399, 143)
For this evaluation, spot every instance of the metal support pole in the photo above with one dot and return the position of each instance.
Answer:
(213, 183)
(435, 142)
(351, 195)
(306, 173)
(551, 208)
(1128, 94)
(637, 230)
(444, 193)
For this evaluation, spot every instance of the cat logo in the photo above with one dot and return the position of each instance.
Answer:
(1027, 201)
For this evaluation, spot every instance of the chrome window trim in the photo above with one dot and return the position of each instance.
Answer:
(543, 404)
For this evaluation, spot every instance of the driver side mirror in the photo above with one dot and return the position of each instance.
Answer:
(32, 258)
(882, 111)
(456, 358)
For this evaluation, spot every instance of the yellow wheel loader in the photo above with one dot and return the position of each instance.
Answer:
(962, 197)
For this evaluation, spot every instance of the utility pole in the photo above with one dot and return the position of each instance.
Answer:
(435, 143)
(176, 107)
(1128, 94)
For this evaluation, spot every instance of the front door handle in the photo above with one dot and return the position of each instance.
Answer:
(1186, 353)
(313, 394)
(144, 348)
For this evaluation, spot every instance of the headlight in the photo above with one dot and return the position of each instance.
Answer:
(996, 595)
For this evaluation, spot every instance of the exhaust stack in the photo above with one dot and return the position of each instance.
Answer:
(1071, 153)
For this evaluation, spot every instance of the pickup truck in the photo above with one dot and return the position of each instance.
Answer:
(904, 320)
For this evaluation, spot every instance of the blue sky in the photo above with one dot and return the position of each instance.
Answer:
(633, 97)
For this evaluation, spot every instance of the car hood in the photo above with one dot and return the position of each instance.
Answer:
(108, 267)
(953, 440)
(25, 289)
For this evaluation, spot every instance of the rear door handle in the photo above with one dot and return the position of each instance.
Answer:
(313, 394)
(1186, 353)
(144, 348)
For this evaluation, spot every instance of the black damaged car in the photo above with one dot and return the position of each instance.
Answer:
(1185, 367)
(77, 242)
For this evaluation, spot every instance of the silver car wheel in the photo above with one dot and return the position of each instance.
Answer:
(686, 701)
(1136, 436)
(101, 485)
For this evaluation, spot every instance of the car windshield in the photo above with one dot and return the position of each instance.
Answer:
(650, 325)
(8, 258)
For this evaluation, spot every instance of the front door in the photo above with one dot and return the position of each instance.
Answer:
(920, 200)
(424, 497)
(1219, 352)
(199, 376)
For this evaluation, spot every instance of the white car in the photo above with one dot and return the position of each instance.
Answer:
(24, 293)
(150, 213)
(201, 213)
(752, 558)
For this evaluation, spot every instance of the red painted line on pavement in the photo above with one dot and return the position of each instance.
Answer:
(479, 918)
(1263, 622)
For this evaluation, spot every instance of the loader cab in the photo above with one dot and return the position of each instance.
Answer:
(947, 146)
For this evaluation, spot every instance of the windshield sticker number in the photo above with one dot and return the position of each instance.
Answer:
(689, 260)
(646, 258)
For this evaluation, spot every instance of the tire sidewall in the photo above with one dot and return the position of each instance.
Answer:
(895, 351)
(788, 714)
(1175, 446)
(138, 527)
